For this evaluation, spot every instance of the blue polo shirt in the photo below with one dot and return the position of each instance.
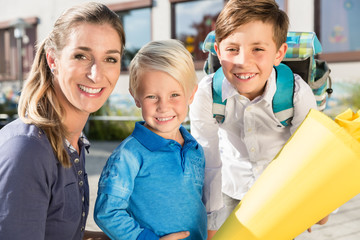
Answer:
(151, 187)
(39, 198)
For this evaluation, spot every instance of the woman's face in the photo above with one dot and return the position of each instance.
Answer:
(87, 69)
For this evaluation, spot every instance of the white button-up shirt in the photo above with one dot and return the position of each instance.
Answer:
(238, 150)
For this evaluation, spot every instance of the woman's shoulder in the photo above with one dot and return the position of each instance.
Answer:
(26, 140)
(17, 128)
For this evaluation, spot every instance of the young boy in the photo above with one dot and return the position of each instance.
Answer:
(151, 186)
(250, 40)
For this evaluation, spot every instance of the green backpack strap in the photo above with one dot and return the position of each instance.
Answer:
(283, 105)
(218, 106)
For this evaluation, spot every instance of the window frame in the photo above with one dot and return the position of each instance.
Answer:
(199, 64)
(348, 56)
(130, 5)
(133, 5)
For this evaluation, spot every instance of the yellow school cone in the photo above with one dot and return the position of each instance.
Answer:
(316, 172)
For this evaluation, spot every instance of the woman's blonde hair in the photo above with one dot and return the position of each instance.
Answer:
(169, 56)
(38, 103)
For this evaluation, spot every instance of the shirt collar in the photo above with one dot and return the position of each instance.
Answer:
(154, 142)
(83, 142)
(229, 91)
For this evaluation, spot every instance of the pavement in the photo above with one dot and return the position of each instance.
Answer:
(343, 225)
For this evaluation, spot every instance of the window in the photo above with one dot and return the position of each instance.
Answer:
(192, 21)
(136, 19)
(339, 35)
(9, 50)
(282, 4)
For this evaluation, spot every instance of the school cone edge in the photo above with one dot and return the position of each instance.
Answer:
(315, 172)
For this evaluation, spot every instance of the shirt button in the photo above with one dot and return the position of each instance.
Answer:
(83, 199)
(252, 149)
(76, 160)
(81, 183)
(80, 172)
(249, 130)
(83, 214)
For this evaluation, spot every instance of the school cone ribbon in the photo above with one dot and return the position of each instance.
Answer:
(316, 171)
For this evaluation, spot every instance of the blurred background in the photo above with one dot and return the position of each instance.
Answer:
(24, 23)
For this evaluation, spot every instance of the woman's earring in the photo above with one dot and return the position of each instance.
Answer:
(52, 70)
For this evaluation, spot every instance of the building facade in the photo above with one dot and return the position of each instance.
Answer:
(186, 20)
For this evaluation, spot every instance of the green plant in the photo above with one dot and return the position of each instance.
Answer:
(9, 108)
(107, 129)
(353, 100)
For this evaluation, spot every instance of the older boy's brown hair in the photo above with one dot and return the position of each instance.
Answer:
(240, 12)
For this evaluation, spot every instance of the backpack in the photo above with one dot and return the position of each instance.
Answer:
(299, 58)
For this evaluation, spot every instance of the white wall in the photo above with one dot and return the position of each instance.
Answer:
(301, 15)
(161, 20)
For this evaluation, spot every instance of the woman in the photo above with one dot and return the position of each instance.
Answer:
(44, 192)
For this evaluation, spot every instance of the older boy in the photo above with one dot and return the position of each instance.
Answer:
(250, 40)
(151, 186)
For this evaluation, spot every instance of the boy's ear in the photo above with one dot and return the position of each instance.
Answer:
(280, 54)
(217, 50)
(191, 99)
(137, 103)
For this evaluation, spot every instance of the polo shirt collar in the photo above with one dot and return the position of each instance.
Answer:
(154, 142)
(149, 139)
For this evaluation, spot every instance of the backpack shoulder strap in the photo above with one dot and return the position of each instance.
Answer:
(218, 106)
(283, 106)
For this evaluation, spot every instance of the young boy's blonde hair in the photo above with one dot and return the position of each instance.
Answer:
(240, 12)
(169, 56)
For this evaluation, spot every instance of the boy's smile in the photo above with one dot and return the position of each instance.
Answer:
(163, 102)
(248, 56)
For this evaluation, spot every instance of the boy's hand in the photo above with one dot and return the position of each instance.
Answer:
(321, 222)
(211, 234)
(176, 236)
